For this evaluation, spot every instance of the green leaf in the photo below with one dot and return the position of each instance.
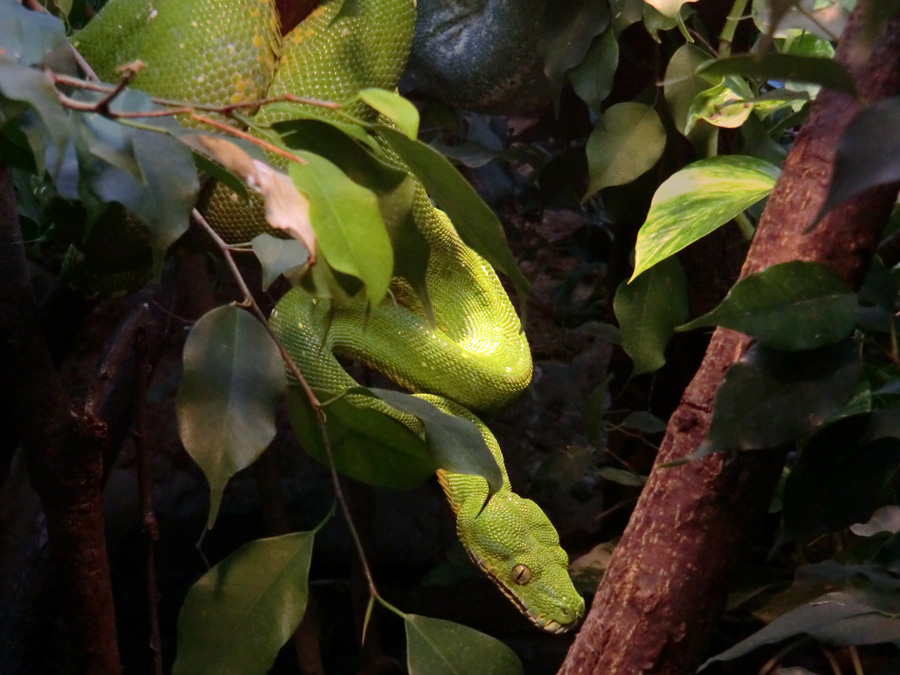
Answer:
(233, 380)
(221, 174)
(396, 108)
(570, 29)
(26, 36)
(698, 199)
(592, 79)
(476, 223)
(770, 398)
(454, 443)
(648, 309)
(793, 306)
(627, 141)
(437, 647)
(868, 153)
(682, 86)
(813, 70)
(368, 445)
(278, 256)
(240, 613)
(347, 223)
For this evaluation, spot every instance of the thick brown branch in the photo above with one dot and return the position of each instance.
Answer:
(655, 609)
(63, 457)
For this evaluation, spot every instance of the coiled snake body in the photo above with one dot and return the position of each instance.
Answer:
(474, 354)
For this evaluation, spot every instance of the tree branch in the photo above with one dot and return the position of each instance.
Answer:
(63, 454)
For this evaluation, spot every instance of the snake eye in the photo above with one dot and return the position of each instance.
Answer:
(521, 574)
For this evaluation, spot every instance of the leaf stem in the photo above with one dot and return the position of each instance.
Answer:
(727, 35)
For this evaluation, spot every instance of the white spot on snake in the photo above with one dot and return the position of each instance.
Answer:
(153, 14)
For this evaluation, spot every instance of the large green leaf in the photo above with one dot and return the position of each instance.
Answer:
(454, 443)
(648, 309)
(476, 223)
(627, 141)
(347, 222)
(698, 199)
(233, 380)
(367, 445)
(241, 612)
(437, 647)
(824, 72)
(770, 398)
(792, 306)
(868, 153)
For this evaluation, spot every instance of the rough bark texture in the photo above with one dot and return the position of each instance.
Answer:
(655, 609)
(63, 458)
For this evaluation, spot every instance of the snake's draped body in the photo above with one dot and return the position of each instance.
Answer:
(474, 355)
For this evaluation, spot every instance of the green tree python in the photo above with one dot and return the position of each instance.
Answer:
(473, 356)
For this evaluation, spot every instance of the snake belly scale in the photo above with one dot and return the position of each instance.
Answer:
(474, 355)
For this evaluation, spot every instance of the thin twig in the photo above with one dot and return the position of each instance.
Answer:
(149, 524)
(251, 304)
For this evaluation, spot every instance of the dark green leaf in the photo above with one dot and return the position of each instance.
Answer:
(868, 153)
(843, 475)
(648, 309)
(233, 380)
(824, 72)
(478, 226)
(348, 223)
(770, 398)
(437, 647)
(349, 154)
(563, 469)
(592, 79)
(569, 30)
(278, 256)
(645, 421)
(454, 443)
(793, 306)
(241, 612)
(368, 445)
(840, 618)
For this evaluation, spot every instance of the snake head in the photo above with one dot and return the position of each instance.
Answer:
(513, 541)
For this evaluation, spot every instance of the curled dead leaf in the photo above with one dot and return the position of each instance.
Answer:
(286, 207)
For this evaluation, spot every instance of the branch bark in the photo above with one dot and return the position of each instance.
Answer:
(656, 606)
(63, 455)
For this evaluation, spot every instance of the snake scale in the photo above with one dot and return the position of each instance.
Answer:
(474, 355)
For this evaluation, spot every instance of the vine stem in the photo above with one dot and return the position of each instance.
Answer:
(727, 35)
(252, 305)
